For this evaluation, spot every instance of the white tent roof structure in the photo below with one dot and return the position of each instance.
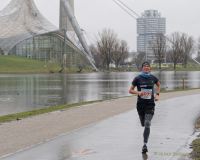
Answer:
(20, 20)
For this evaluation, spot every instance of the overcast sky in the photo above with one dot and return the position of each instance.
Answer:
(95, 15)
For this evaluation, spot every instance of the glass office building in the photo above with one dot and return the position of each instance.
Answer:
(148, 26)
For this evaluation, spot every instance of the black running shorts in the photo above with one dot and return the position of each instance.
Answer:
(145, 108)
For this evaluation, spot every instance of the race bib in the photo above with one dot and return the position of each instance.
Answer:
(146, 93)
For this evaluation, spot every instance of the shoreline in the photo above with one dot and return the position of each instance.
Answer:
(19, 135)
(25, 114)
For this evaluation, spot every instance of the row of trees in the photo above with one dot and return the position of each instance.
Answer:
(109, 50)
(176, 48)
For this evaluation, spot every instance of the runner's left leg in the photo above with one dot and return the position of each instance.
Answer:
(147, 124)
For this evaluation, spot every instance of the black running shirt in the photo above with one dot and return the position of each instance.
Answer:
(145, 85)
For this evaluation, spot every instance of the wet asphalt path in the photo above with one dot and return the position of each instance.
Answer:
(120, 137)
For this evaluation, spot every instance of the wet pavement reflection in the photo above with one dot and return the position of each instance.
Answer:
(120, 137)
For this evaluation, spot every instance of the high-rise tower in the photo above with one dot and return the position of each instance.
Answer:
(148, 26)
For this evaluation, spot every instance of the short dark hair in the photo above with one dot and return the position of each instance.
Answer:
(146, 63)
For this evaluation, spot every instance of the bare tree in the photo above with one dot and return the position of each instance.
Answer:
(120, 53)
(188, 44)
(159, 48)
(96, 55)
(169, 56)
(139, 59)
(198, 47)
(176, 48)
(105, 46)
(1, 51)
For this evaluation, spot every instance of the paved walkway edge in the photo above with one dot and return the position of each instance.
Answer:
(23, 134)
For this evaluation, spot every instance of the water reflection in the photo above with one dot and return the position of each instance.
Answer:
(193, 80)
(27, 92)
(172, 80)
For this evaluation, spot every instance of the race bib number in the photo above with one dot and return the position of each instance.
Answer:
(146, 93)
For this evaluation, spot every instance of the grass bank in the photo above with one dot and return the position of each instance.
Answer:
(196, 143)
(179, 67)
(21, 115)
(17, 64)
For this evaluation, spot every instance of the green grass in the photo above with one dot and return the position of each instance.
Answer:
(196, 143)
(21, 115)
(16, 64)
(196, 149)
(155, 67)
(179, 67)
(195, 154)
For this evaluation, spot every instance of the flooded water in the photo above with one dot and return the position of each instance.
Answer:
(27, 92)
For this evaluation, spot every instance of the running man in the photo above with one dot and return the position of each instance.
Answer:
(146, 98)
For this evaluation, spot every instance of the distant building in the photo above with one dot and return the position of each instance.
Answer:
(148, 26)
(131, 57)
(25, 32)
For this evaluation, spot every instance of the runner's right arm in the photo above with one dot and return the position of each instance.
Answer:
(133, 91)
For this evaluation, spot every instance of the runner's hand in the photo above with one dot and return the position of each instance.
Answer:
(140, 93)
(157, 97)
